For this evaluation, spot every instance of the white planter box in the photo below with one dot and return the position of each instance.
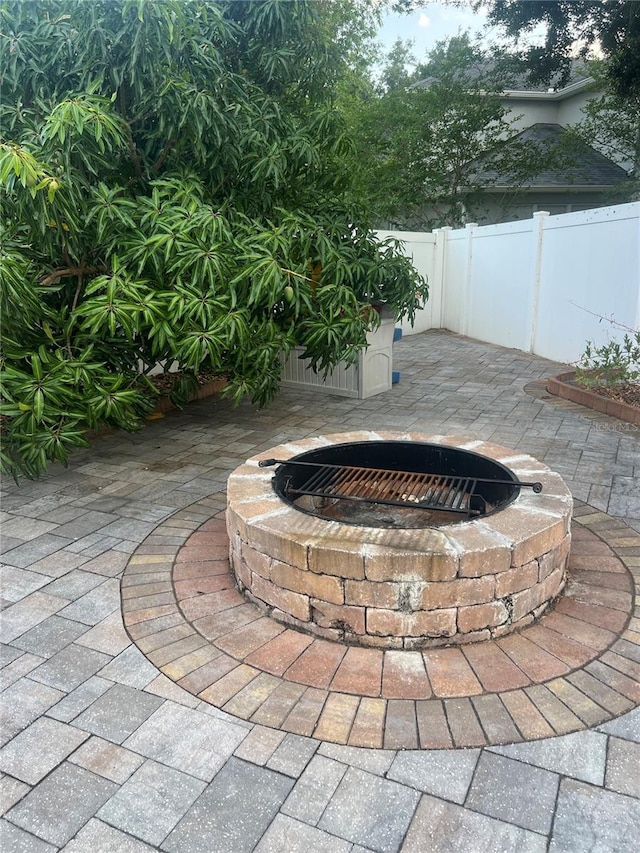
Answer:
(371, 374)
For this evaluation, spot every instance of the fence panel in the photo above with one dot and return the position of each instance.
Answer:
(420, 246)
(590, 269)
(502, 264)
(542, 285)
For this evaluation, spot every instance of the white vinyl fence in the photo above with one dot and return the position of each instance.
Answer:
(541, 285)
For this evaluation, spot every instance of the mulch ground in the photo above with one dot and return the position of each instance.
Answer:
(628, 393)
(164, 382)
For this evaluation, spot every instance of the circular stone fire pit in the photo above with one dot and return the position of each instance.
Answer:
(454, 581)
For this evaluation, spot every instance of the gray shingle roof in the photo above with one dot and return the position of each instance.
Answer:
(583, 165)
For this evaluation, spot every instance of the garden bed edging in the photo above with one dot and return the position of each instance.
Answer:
(561, 386)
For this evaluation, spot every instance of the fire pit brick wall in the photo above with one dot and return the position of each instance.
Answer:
(400, 588)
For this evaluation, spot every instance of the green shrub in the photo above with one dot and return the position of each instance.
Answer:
(611, 364)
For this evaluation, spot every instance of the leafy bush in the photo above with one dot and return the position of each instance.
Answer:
(611, 364)
(172, 178)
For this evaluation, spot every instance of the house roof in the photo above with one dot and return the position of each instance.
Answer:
(584, 167)
(512, 82)
(578, 77)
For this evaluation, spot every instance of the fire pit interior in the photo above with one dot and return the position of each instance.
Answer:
(399, 541)
(395, 483)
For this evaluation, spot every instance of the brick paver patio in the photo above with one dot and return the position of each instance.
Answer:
(207, 727)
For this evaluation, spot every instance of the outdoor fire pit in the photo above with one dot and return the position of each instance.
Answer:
(399, 541)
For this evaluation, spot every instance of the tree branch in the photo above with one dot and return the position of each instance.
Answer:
(163, 155)
(69, 271)
(135, 158)
(142, 117)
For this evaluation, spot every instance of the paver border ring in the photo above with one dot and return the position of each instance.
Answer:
(577, 667)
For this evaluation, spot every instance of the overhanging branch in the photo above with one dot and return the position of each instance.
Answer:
(67, 272)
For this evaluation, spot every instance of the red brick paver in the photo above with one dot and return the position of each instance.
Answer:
(317, 665)
(278, 654)
(241, 643)
(603, 617)
(537, 664)
(450, 674)
(404, 676)
(494, 669)
(360, 672)
(572, 653)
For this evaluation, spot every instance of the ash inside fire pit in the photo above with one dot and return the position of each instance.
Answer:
(398, 484)
(373, 514)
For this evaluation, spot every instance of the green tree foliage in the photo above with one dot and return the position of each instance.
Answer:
(426, 155)
(576, 27)
(173, 178)
(612, 125)
(396, 73)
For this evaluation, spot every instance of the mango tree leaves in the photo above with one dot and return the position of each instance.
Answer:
(171, 177)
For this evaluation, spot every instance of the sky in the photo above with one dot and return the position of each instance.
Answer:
(429, 23)
(433, 22)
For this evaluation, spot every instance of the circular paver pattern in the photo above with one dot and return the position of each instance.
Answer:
(576, 668)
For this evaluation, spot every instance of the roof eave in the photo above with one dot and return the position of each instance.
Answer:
(555, 95)
(551, 189)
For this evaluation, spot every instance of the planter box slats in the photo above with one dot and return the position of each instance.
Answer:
(372, 374)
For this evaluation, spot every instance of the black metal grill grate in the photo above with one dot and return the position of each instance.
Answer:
(391, 488)
(444, 484)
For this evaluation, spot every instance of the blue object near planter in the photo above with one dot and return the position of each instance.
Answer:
(395, 374)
